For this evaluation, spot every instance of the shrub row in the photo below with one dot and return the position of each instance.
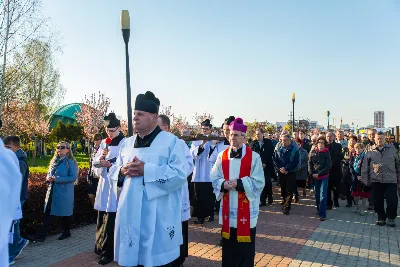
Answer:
(33, 208)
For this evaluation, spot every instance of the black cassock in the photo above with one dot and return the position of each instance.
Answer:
(238, 254)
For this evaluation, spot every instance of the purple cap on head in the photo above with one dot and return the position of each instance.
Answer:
(238, 125)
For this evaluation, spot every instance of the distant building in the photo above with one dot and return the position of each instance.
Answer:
(312, 125)
(379, 119)
(345, 127)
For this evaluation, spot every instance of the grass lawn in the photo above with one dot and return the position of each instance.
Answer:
(42, 164)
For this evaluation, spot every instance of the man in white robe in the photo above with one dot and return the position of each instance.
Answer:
(10, 189)
(151, 168)
(238, 180)
(106, 195)
(204, 197)
(165, 124)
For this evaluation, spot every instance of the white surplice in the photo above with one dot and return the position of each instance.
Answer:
(106, 195)
(253, 186)
(218, 148)
(148, 228)
(10, 191)
(185, 193)
(201, 172)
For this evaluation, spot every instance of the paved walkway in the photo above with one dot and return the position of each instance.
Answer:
(345, 239)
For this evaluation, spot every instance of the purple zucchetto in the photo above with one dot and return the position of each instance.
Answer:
(238, 125)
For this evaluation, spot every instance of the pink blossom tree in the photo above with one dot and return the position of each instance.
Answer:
(91, 116)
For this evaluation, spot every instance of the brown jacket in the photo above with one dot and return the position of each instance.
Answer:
(381, 167)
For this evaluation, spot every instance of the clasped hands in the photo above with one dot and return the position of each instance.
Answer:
(132, 169)
(283, 170)
(51, 179)
(230, 185)
(104, 163)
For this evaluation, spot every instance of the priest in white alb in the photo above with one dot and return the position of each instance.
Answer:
(151, 168)
(238, 180)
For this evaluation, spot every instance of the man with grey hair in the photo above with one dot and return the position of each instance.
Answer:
(381, 170)
(286, 160)
(340, 139)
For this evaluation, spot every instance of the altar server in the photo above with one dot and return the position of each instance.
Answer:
(204, 197)
(106, 196)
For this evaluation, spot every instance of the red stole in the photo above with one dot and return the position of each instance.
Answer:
(243, 216)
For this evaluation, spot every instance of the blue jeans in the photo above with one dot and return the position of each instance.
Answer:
(15, 247)
(321, 194)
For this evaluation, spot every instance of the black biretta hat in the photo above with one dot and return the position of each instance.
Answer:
(229, 120)
(111, 121)
(147, 102)
(206, 123)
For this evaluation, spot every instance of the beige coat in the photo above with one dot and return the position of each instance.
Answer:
(381, 167)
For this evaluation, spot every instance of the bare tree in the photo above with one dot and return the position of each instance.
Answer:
(20, 22)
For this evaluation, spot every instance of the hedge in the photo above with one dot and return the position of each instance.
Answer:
(33, 214)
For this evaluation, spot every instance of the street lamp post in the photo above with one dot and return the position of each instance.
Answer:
(126, 30)
(328, 113)
(293, 100)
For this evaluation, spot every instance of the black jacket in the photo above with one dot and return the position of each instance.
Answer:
(319, 163)
(335, 150)
(266, 152)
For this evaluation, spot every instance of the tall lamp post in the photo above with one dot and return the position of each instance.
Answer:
(293, 100)
(328, 113)
(126, 30)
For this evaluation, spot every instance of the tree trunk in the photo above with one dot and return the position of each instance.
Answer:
(34, 152)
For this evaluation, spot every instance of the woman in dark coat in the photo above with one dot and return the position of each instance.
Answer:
(319, 166)
(63, 172)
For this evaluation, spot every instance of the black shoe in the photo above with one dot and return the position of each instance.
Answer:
(371, 207)
(199, 221)
(64, 236)
(349, 205)
(391, 223)
(328, 207)
(211, 219)
(105, 260)
(263, 204)
(270, 201)
(381, 222)
(286, 212)
(337, 205)
(36, 238)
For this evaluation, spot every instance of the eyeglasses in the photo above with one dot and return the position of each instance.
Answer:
(61, 147)
(321, 142)
(112, 131)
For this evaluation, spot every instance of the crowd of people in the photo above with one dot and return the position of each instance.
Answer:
(147, 187)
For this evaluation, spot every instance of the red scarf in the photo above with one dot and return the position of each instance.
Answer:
(243, 216)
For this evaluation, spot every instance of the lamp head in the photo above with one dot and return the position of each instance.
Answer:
(293, 97)
(125, 20)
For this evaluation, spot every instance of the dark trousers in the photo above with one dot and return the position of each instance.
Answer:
(105, 234)
(380, 191)
(288, 184)
(333, 188)
(205, 200)
(48, 219)
(238, 254)
(185, 246)
(267, 193)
